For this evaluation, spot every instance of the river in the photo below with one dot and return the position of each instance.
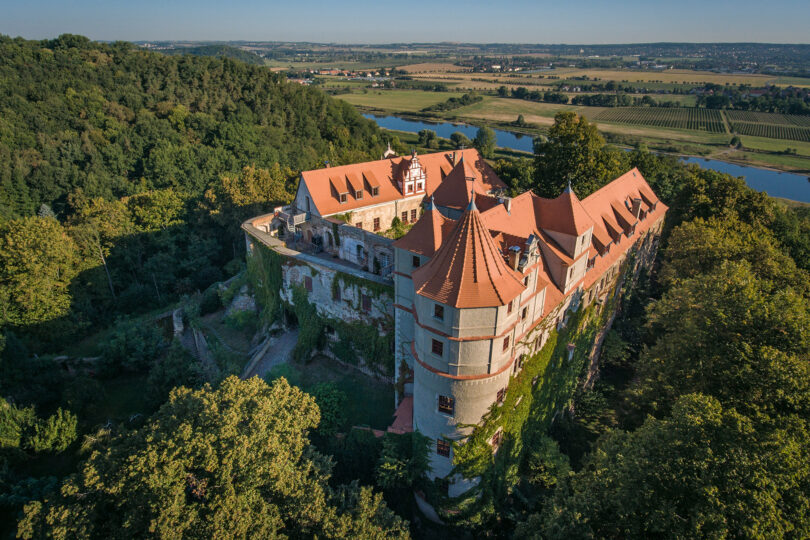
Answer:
(776, 184)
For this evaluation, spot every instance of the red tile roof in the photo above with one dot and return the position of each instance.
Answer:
(464, 178)
(468, 271)
(325, 185)
(425, 237)
(564, 214)
(608, 207)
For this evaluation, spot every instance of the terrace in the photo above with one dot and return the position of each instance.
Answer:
(309, 252)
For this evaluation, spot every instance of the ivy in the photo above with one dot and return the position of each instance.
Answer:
(265, 278)
(310, 325)
(348, 280)
(360, 339)
(544, 386)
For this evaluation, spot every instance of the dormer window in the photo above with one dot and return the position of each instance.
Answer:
(358, 194)
(344, 197)
(375, 191)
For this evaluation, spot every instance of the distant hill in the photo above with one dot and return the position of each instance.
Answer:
(218, 51)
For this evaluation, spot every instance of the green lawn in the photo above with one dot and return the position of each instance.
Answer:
(396, 100)
(775, 145)
(370, 402)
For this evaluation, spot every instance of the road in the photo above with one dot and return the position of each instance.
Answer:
(277, 353)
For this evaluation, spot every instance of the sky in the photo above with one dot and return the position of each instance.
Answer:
(363, 21)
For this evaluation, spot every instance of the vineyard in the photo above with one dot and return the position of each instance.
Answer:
(708, 120)
(770, 125)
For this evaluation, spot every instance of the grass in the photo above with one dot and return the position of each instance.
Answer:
(775, 145)
(396, 100)
(370, 402)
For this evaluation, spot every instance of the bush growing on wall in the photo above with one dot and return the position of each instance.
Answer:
(264, 276)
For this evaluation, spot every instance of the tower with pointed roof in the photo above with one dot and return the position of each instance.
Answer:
(480, 280)
(476, 276)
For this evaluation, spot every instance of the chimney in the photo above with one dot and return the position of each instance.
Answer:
(454, 158)
(514, 257)
(636, 207)
(508, 203)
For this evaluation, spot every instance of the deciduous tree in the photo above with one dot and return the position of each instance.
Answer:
(228, 463)
(574, 152)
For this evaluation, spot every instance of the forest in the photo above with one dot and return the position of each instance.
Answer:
(124, 175)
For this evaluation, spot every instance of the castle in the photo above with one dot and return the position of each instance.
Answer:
(479, 280)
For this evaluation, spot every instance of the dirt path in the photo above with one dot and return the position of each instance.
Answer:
(277, 353)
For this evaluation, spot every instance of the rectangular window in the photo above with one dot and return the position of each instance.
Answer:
(336, 293)
(404, 217)
(506, 343)
(442, 447)
(376, 224)
(495, 442)
(358, 194)
(446, 404)
(419, 186)
(501, 395)
(416, 261)
(408, 188)
(509, 307)
(344, 197)
(308, 283)
(438, 312)
(413, 215)
(375, 191)
(366, 301)
(524, 314)
(526, 281)
(359, 224)
(437, 347)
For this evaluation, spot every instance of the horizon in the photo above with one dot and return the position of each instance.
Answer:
(371, 23)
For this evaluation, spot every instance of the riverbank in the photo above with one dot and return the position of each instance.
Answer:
(755, 152)
(775, 182)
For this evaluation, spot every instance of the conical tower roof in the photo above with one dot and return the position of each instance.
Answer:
(425, 237)
(468, 271)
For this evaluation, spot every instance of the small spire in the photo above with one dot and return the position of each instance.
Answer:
(431, 205)
(472, 206)
(568, 188)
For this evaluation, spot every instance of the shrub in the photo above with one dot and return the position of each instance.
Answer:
(133, 346)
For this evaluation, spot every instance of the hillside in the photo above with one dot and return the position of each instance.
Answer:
(114, 120)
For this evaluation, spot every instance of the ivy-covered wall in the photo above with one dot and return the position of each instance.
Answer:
(333, 316)
(544, 387)
(265, 278)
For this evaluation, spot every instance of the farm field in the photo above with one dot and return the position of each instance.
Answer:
(681, 130)
(396, 100)
(707, 120)
(670, 76)
(432, 67)
(771, 145)
(770, 125)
